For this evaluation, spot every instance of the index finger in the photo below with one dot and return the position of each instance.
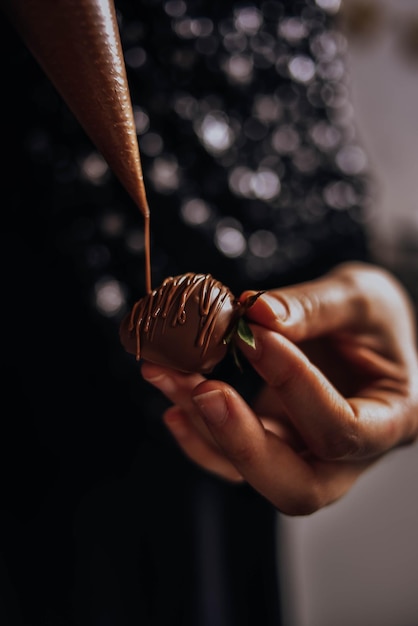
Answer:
(332, 426)
(293, 483)
(352, 296)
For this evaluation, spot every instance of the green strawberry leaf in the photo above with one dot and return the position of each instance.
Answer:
(242, 329)
(244, 332)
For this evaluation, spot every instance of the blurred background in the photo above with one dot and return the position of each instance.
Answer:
(352, 564)
(356, 562)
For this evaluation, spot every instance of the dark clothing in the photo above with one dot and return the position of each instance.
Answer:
(104, 522)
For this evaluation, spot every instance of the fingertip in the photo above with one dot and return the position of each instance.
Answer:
(149, 370)
(159, 379)
(267, 310)
(176, 421)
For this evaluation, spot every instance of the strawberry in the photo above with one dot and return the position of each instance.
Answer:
(188, 323)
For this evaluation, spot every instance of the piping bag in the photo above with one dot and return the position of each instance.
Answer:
(77, 44)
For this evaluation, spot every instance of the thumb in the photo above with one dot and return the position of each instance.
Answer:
(340, 300)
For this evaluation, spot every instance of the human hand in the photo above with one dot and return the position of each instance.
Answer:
(338, 357)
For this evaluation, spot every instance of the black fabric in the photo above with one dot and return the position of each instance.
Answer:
(103, 521)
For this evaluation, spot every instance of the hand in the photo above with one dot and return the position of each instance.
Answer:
(339, 360)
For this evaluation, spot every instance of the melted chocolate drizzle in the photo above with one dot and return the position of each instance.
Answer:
(168, 302)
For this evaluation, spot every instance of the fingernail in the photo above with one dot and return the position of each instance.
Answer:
(213, 406)
(278, 308)
(163, 383)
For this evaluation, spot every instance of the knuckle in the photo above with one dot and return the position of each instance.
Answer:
(368, 284)
(306, 306)
(243, 454)
(338, 445)
(310, 303)
(342, 438)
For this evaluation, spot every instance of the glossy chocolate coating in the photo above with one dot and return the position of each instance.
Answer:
(182, 324)
(77, 43)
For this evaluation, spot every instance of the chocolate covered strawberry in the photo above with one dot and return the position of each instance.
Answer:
(188, 323)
